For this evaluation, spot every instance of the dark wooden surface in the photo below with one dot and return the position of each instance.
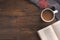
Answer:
(19, 20)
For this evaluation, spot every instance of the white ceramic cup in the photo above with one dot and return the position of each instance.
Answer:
(56, 11)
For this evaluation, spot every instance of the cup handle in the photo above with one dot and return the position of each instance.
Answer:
(56, 11)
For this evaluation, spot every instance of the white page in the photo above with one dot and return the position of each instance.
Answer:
(56, 27)
(47, 33)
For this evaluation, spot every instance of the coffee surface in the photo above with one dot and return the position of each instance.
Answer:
(47, 15)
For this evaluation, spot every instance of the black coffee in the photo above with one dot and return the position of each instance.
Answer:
(47, 15)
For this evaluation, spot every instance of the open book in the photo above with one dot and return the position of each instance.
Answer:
(51, 32)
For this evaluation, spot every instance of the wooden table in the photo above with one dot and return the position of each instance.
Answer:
(20, 20)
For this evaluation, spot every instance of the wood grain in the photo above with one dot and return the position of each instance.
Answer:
(19, 20)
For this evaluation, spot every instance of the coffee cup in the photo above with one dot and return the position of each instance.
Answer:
(48, 14)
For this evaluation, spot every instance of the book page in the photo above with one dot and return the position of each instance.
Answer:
(56, 27)
(47, 33)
